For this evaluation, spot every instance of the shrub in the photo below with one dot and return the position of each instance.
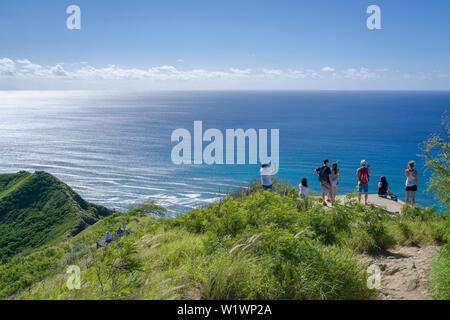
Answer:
(240, 276)
(440, 275)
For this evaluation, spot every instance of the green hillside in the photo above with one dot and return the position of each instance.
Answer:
(255, 245)
(37, 209)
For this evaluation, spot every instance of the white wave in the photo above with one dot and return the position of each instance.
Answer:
(192, 195)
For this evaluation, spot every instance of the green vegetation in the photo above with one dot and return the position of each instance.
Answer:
(440, 271)
(440, 275)
(252, 245)
(38, 209)
(437, 160)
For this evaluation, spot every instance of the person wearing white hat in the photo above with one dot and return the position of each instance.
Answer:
(363, 175)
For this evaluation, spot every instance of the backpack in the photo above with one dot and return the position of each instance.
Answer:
(364, 175)
(322, 174)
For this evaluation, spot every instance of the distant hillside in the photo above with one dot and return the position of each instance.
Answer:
(37, 209)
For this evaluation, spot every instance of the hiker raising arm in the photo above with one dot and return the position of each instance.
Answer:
(266, 176)
(274, 168)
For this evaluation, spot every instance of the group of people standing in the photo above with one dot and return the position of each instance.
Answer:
(329, 180)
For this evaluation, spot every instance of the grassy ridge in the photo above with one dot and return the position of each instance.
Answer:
(255, 245)
(36, 209)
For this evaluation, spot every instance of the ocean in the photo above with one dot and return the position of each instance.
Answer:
(115, 148)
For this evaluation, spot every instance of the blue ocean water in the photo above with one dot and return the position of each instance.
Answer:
(114, 148)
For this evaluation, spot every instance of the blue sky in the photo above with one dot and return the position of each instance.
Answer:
(198, 44)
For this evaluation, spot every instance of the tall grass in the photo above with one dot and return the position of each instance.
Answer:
(439, 284)
(257, 245)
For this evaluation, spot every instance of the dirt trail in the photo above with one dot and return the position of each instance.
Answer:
(392, 207)
(404, 271)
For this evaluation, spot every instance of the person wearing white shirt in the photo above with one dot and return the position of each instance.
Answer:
(303, 188)
(266, 175)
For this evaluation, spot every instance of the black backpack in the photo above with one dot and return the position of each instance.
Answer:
(322, 174)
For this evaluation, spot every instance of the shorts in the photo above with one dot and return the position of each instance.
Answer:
(325, 184)
(364, 187)
(411, 188)
(267, 187)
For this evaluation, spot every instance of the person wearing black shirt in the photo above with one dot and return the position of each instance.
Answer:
(383, 189)
(324, 173)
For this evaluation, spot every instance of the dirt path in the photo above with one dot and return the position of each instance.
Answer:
(392, 207)
(404, 271)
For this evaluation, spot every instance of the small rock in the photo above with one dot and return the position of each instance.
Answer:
(412, 284)
(392, 271)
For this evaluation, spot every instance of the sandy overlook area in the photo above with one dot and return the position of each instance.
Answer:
(393, 207)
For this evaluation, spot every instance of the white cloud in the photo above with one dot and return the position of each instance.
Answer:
(328, 69)
(7, 67)
(362, 73)
(273, 72)
(24, 68)
(22, 72)
(241, 71)
(297, 74)
(58, 70)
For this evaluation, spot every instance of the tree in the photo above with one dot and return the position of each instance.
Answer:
(437, 160)
(148, 208)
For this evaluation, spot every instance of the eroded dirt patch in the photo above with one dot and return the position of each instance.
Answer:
(404, 271)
